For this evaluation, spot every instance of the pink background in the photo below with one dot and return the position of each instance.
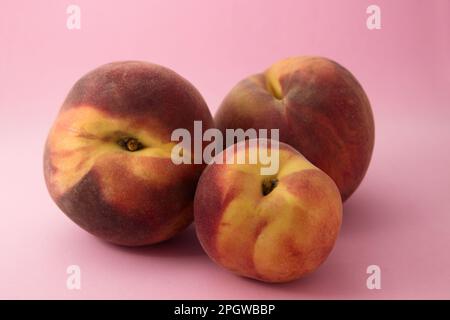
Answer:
(398, 219)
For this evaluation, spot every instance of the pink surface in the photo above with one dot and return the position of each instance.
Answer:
(398, 219)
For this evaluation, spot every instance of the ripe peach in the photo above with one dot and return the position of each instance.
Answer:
(107, 160)
(320, 109)
(274, 228)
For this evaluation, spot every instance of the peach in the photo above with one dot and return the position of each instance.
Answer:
(319, 108)
(274, 228)
(107, 159)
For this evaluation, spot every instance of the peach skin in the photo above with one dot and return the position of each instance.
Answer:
(273, 228)
(107, 161)
(320, 109)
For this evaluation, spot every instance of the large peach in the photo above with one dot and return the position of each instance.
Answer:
(273, 228)
(320, 109)
(107, 160)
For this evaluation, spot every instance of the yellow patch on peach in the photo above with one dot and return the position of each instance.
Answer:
(84, 136)
(290, 66)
